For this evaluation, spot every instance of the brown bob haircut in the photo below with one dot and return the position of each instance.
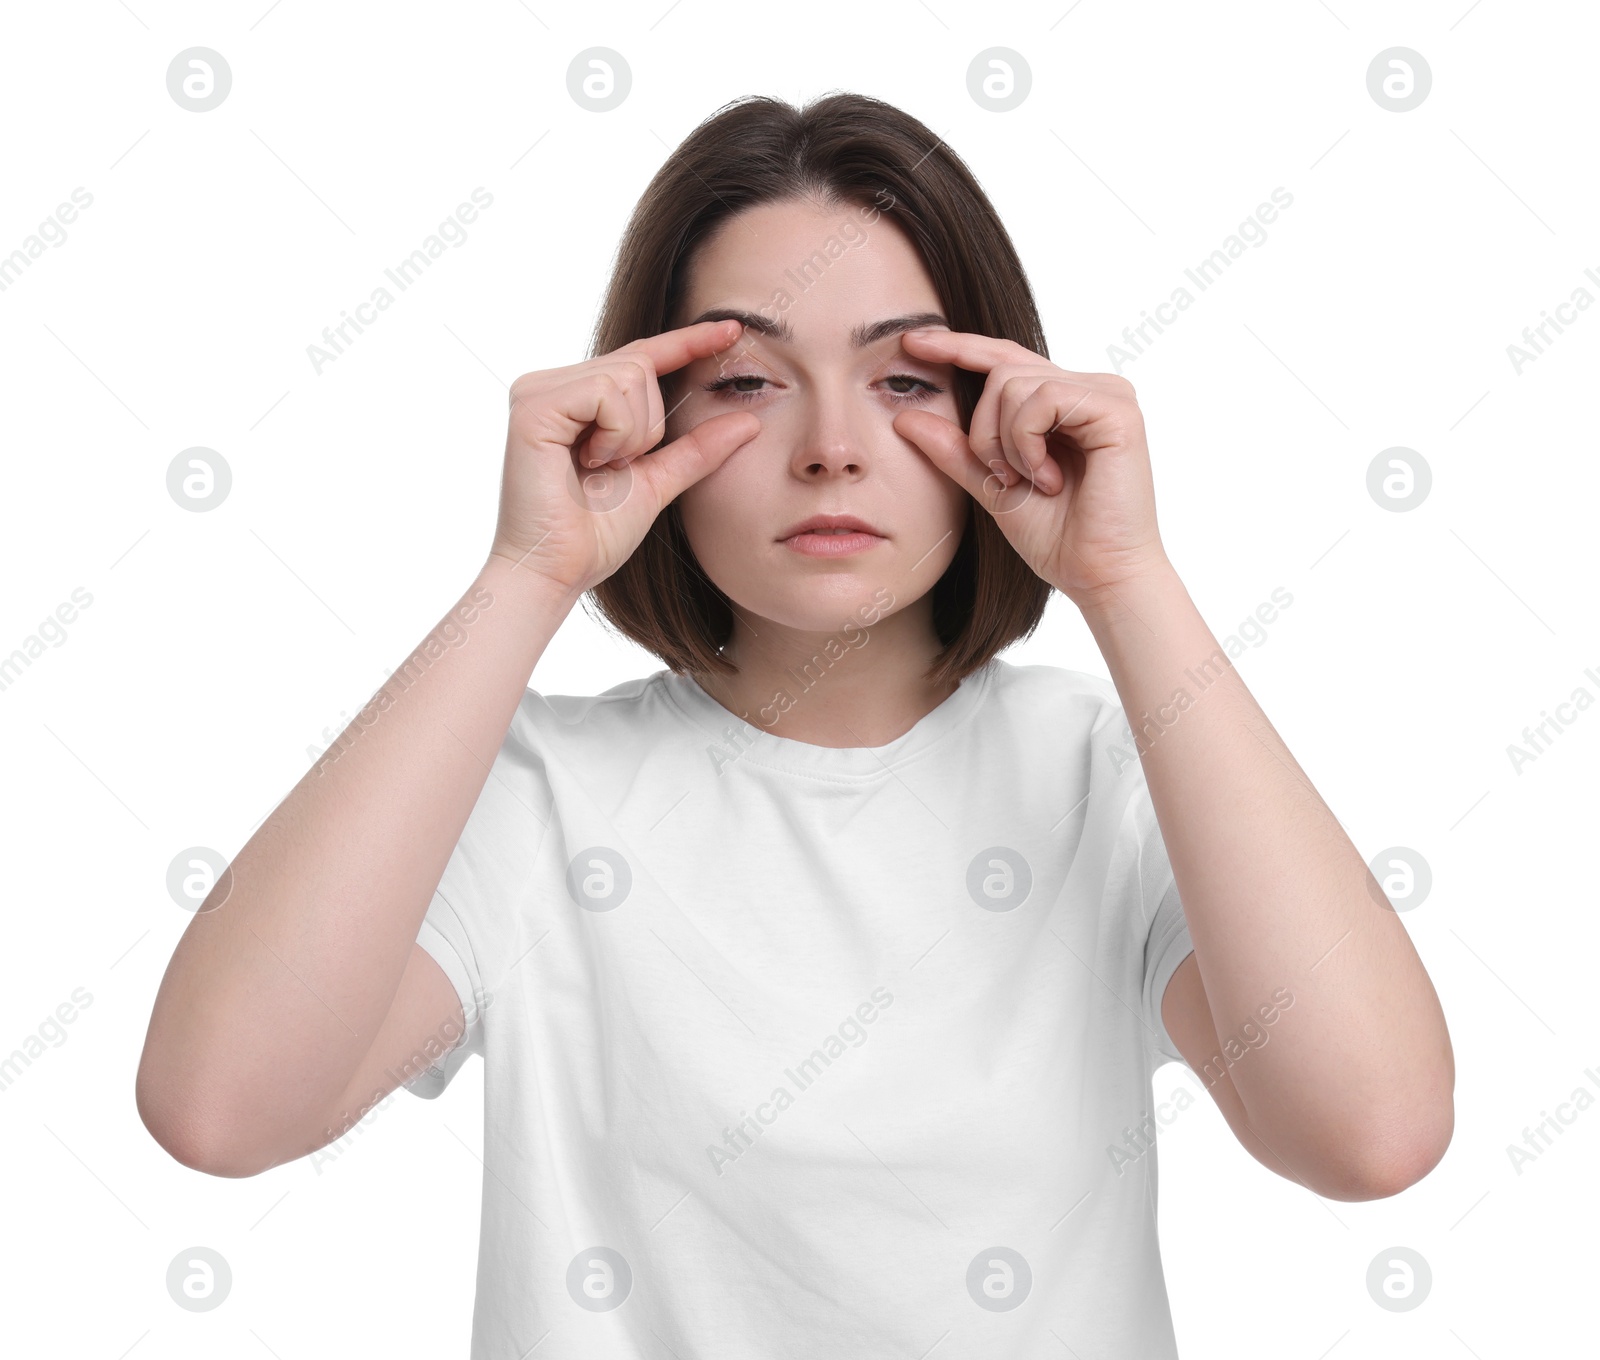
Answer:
(838, 150)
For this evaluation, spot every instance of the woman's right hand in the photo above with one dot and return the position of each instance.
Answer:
(564, 513)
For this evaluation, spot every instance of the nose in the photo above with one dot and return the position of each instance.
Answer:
(835, 434)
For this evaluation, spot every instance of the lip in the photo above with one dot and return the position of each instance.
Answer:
(831, 545)
(826, 522)
(849, 534)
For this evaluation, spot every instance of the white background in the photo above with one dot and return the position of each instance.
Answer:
(192, 693)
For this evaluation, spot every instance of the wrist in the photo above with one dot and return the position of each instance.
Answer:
(1133, 597)
(524, 586)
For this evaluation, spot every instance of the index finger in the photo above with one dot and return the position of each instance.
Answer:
(673, 349)
(964, 349)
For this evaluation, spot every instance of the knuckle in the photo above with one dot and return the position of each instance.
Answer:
(638, 368)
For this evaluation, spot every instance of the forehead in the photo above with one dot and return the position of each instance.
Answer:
(811, 272)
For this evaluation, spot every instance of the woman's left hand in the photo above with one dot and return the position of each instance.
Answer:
(1058, 458)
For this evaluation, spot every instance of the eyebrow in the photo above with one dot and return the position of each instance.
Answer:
(860, 336)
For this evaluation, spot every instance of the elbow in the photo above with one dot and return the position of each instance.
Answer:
(185, 1137)
(1401, 1172)
(1398, 1156)
(1405, 1137)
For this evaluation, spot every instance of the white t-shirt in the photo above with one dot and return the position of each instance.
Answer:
(797, 1051)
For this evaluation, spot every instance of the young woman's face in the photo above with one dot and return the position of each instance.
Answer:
(827, 403)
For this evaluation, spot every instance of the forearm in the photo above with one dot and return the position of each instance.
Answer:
(1357, 1073)
(282, 979)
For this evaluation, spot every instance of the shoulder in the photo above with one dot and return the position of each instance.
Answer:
(619, 702)
(1072, 696)
(1073, 721)
(625, 716)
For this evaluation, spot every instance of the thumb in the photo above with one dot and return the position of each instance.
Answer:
(945, 444)
(675, 467)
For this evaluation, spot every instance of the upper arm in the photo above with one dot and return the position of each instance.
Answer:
(1186, 1012)
(424, 1022)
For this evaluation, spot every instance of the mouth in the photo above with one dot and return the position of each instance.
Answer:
(831, 524)
(831, 536)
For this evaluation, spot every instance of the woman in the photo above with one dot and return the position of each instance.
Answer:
(820, 975)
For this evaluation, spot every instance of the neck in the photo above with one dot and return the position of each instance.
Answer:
(858, 686)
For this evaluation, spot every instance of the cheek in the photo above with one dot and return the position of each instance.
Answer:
(739, 479)
(709, 509)
(947, 501)
(687, 407)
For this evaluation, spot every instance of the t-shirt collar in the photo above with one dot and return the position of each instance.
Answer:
(741, 739)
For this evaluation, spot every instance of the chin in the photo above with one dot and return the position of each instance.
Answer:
(841, 604)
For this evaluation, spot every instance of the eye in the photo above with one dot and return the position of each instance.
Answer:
(726, 384)
(922, 390)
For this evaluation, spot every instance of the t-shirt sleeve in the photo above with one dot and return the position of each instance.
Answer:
(443, 936)
(1146, 885)
(1166, 946)
(470, 929)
